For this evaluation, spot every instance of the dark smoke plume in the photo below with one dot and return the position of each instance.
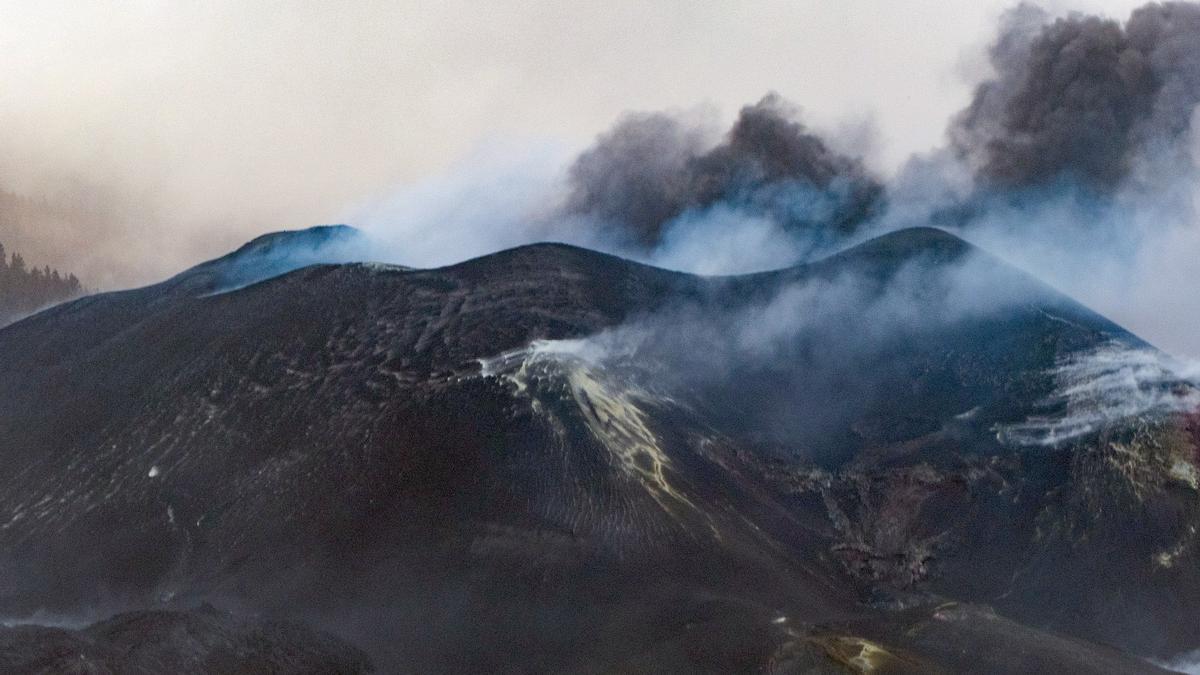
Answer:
(1083, 99)
(651, 168)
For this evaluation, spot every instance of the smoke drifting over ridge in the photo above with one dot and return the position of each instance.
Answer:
(1077, 162)
(196, 127)
(1074, 159)
(651, 168)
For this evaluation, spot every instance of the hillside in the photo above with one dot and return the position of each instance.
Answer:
(560, 459)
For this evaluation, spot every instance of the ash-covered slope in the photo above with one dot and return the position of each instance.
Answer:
(553, 458)
(201, 640)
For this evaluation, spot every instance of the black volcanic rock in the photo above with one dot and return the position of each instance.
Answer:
(202, 640)
(273, 254)
(550, 458)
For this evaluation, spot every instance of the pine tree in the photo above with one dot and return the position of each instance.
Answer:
(26, 290)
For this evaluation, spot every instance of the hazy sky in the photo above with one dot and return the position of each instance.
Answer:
(208, 122)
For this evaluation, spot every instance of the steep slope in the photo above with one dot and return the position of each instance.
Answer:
(561, 459)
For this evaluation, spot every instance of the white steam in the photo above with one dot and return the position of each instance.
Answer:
(1130, 250)
(1135, 259)
(1189, 664)
(824, 328)
(1109, 385)
(507, 192)
(494, 198)
(725, 240)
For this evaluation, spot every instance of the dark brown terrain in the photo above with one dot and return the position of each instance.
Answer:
(553, 459)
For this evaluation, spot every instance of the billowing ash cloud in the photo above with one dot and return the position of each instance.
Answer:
(1077, 161)
(650, 169)
(635, 176)
(1083, 99)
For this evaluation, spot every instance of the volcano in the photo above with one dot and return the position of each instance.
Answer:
(551, 459)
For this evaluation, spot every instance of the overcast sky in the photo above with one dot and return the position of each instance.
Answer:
(215, 121)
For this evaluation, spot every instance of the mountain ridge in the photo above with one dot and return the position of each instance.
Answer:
(597, 454)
